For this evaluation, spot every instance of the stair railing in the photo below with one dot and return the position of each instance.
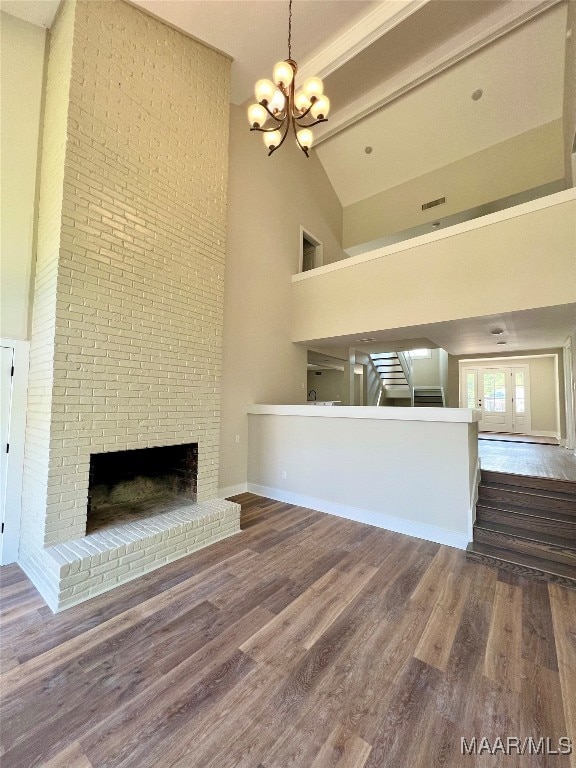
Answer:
(406, 362)
(376, 374)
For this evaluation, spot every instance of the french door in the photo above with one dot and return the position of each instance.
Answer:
(501, 394)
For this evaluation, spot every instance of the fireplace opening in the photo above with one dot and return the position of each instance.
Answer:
(139, 482)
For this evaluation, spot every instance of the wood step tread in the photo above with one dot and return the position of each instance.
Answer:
(520, 509)
(539, 538)
(533, 492)
(529, 481)
(525, 565)
(554, 526)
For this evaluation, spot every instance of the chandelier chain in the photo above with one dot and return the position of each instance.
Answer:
(290, 29)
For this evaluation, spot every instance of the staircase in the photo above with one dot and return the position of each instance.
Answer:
(428, 397)
(526, 525)
(393, 369)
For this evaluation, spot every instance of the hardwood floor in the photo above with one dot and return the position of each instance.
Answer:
(527, 459)
(306, 641)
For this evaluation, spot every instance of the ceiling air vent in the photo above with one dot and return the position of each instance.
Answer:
(433, 203)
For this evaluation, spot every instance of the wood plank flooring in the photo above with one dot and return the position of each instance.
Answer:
(527, 459)
(307, 641)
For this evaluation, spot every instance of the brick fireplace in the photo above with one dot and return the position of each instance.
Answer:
(127, 325)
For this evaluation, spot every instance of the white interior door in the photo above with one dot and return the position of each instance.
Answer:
(501, 394)
(6, 363)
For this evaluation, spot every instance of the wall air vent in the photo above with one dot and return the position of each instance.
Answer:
(433, 203)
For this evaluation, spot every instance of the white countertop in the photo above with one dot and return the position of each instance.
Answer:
(462, 415)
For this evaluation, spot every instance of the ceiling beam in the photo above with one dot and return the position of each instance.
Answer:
(500, 22)
(358, 36)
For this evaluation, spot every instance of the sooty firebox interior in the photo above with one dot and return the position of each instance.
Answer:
(128, 480)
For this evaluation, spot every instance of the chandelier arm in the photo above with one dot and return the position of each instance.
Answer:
(314, 99)
(272, 115)
(298, 140)
(288, 121)
(311, 125)
(268, 130)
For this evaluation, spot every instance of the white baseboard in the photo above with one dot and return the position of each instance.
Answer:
(232, 490)
(378, 519)
(543, 433)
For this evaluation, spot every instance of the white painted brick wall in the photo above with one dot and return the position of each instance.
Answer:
(127, 330)
(37, 456)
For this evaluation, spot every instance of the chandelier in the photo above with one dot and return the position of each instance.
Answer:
(280, 107)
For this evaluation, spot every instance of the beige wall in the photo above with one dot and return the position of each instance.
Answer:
(546, 396)
(530, 247)
(269, 198)
(521, 163)
(328, 386)
(426, 370)
(22, 71)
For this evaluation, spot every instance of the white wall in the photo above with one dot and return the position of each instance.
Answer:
(268, 199)
(387, 472)
(22, 72)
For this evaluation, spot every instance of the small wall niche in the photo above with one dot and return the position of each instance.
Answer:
(311, 251)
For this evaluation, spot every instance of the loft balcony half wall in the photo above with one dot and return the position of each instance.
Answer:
(518, 259)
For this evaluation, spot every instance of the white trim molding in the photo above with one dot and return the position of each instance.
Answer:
(11, 536)
(232, 490)
(386, 413)
(377, 519)
(334, 53)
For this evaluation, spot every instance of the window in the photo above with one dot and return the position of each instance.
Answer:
(471, 390)
(417, 354)
(520, 393)
(495, 392)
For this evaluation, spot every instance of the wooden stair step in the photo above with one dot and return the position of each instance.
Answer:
(555, 548)
(528, 497)
(536, 520)
(529, 481)
(523, 565)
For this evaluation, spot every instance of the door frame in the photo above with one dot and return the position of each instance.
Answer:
(508, 362)
(570, 395)
(508, 371)
(318, 254)
(10, 539)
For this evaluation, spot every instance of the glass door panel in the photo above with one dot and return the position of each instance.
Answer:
(494, 400)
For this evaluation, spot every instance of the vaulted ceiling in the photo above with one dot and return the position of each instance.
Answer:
(401, 75)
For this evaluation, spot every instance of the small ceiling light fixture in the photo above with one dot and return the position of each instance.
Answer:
(435, 223)
(477, 95)
(279, 102)
(501, 343)
(366, 341)
(497, 332)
